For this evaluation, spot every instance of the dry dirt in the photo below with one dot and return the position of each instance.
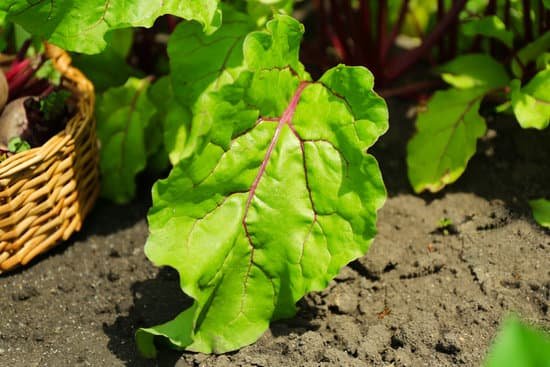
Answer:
(420, 297)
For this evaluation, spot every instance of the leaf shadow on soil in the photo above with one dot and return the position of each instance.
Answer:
(108, 217)
(159, 300)
(155, 301)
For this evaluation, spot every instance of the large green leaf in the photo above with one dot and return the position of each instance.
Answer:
(519, 345)
(80, 25)
(123, 115)
(541, 211)
(531, 103)
(446, 138)
(281, 195)
(489, 26)
(474, 70)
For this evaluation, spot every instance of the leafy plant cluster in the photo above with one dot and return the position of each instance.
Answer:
(482, 52)
(270, 190)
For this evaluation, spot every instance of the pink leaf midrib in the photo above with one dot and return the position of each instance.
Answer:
(285, 119)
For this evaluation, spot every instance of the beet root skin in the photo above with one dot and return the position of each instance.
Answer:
(14, 121)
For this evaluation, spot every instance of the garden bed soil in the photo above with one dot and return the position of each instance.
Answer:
(420, 297)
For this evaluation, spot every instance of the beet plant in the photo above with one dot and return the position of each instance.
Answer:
(277, 196)
(271, 190)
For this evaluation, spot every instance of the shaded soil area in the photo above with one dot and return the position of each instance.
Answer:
(422, 296)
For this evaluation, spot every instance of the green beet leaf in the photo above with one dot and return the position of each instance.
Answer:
(474, 70)
(48, 71)
(490, 26)
(530, 53)
(446, 138)
(81, 25)
(18, 145)
(519, 345)
(531, 103)
(123, 115)
(541, 211)
(280, 196)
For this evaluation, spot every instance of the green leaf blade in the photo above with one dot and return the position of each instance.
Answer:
(446, 138)
(489, 26)
(519, 345)
(531, 103)
(541, 211)
(123, 115)
(474, 70)
(280, 197)
(81, 25)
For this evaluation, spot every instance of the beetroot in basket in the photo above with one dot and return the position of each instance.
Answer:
(34, 107)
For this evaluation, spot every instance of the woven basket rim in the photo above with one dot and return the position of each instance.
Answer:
(81, 88)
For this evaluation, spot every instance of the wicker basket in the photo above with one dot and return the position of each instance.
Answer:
(46, 192)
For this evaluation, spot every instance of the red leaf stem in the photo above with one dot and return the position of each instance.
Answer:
(19, 81)
(411, 88)
(337, 44)
(527, 23)
(23, 50)
(402, 64)
(356, 53)
(172, 22)
(365, 16)
(453, 39)
(395, 31)
(340, 29)
(16, 68)
(441, 46)
(382, 30)
(284, 120)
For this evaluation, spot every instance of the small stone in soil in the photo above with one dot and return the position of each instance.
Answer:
(25, 293)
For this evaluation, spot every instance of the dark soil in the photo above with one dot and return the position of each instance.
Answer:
(420, 297)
